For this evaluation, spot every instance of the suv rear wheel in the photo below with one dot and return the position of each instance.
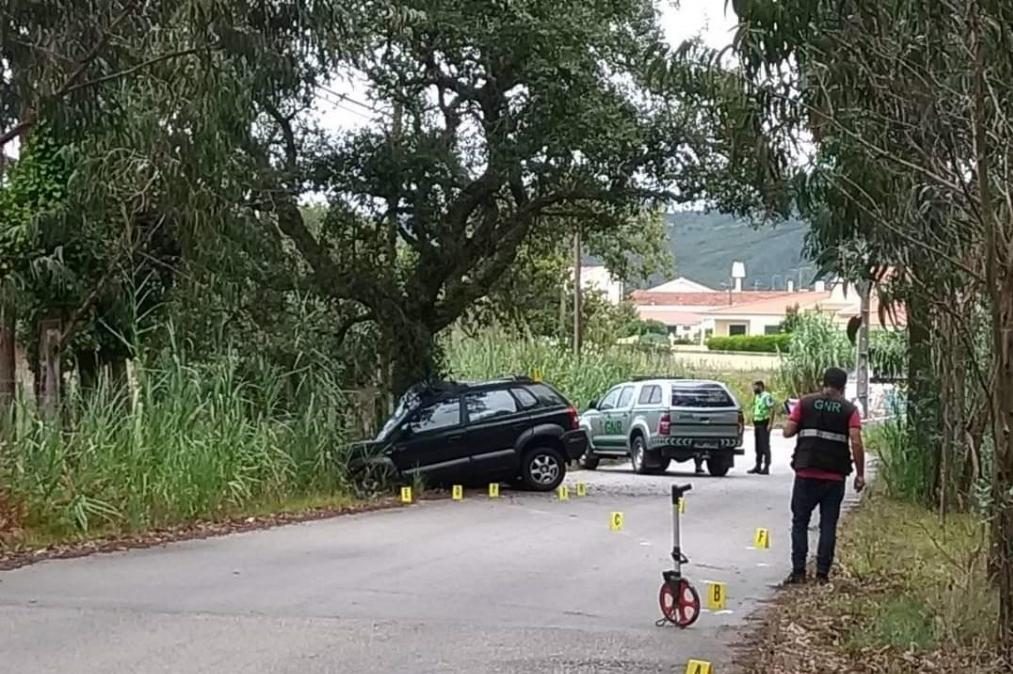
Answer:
(638, 455)
(543, 469)
(718, 467)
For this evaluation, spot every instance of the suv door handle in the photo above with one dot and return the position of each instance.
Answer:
(454, 437)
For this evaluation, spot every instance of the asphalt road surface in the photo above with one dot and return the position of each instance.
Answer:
(526, 583)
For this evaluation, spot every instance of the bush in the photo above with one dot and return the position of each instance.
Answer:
(751, 343)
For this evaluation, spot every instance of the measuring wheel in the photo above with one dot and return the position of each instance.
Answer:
(680, 603)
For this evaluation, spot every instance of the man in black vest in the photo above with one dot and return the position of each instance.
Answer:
(829, 431)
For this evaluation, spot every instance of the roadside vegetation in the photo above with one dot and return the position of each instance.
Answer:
(583, 378)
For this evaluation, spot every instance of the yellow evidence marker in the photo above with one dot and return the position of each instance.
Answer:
(698, 667)
(564, 492)
(581, 489)
(494, 490)
(457, 492)
(716, 594)
(616, 521)
(762, 539)
(406, 494)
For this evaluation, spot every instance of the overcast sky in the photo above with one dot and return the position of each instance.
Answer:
(681, 20)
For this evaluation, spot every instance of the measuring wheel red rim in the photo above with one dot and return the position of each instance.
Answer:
(680, 603)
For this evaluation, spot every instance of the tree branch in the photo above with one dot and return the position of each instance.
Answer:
(72, 79)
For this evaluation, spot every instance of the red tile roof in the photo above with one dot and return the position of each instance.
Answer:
(702, 299)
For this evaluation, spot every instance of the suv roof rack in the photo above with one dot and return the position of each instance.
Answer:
(655, 376)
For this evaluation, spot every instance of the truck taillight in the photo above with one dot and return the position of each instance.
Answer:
(665, 424)
(574, 418)
(742, 423)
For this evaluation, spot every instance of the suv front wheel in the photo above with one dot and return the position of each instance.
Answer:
(588, 461)
(543, 469)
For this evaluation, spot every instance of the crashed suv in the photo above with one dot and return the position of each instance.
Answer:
(501, 430)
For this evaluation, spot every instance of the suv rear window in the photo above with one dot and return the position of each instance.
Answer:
(546, 396)
(700, 395)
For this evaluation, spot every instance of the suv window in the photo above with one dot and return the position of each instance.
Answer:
(650, 395)
(489, 404)
(546, 396)
(443, 414)
(609, 401)
(625, 397)
(700, 395)
(524, 396)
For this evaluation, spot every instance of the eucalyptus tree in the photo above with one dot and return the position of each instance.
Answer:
(908, 103)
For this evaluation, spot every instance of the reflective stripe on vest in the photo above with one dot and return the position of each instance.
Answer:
(822, 435)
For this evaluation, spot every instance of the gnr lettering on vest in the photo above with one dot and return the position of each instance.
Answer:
(822, 405)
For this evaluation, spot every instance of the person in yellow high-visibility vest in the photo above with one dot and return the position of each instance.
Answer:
(763, 413)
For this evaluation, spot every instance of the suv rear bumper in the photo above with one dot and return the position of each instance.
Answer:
(574, 443)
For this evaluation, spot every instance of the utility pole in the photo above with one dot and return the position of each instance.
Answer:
(862, 374)
(577, 259)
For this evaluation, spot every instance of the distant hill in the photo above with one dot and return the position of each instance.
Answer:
(704, 246)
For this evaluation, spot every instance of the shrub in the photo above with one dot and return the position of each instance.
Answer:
(751, 343)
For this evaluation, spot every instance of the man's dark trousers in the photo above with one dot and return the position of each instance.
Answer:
(806, 495)
(761, 430)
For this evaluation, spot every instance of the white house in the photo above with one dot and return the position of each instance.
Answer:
(598, 278)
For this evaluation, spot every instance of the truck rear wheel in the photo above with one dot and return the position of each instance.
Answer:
(718, 467)
(588, 461)
(660, 467)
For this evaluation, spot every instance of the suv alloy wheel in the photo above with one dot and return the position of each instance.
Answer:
(543, 469)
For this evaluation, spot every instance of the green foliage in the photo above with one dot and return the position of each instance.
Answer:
(195, 441)
(779, 343)
(815, 345)
(488, 355)
(888, 353)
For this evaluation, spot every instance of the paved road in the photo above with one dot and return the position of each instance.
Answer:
(523, 584)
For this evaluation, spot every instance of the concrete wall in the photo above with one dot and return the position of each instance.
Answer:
(755, 324)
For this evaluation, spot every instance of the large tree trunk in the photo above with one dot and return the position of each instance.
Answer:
(414, 356)
(8, 360)
(1002, 532)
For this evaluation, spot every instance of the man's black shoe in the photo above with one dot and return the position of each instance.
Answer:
(699, 470)
(764, 471)
(822, 578)
(795, 578)
(755, 471)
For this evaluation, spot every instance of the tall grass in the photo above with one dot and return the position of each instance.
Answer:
(816, 344)
(190, 442)
(582, 379)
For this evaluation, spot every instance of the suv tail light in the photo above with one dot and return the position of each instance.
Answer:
(665, 424)
(574, 418)
(742, 423)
